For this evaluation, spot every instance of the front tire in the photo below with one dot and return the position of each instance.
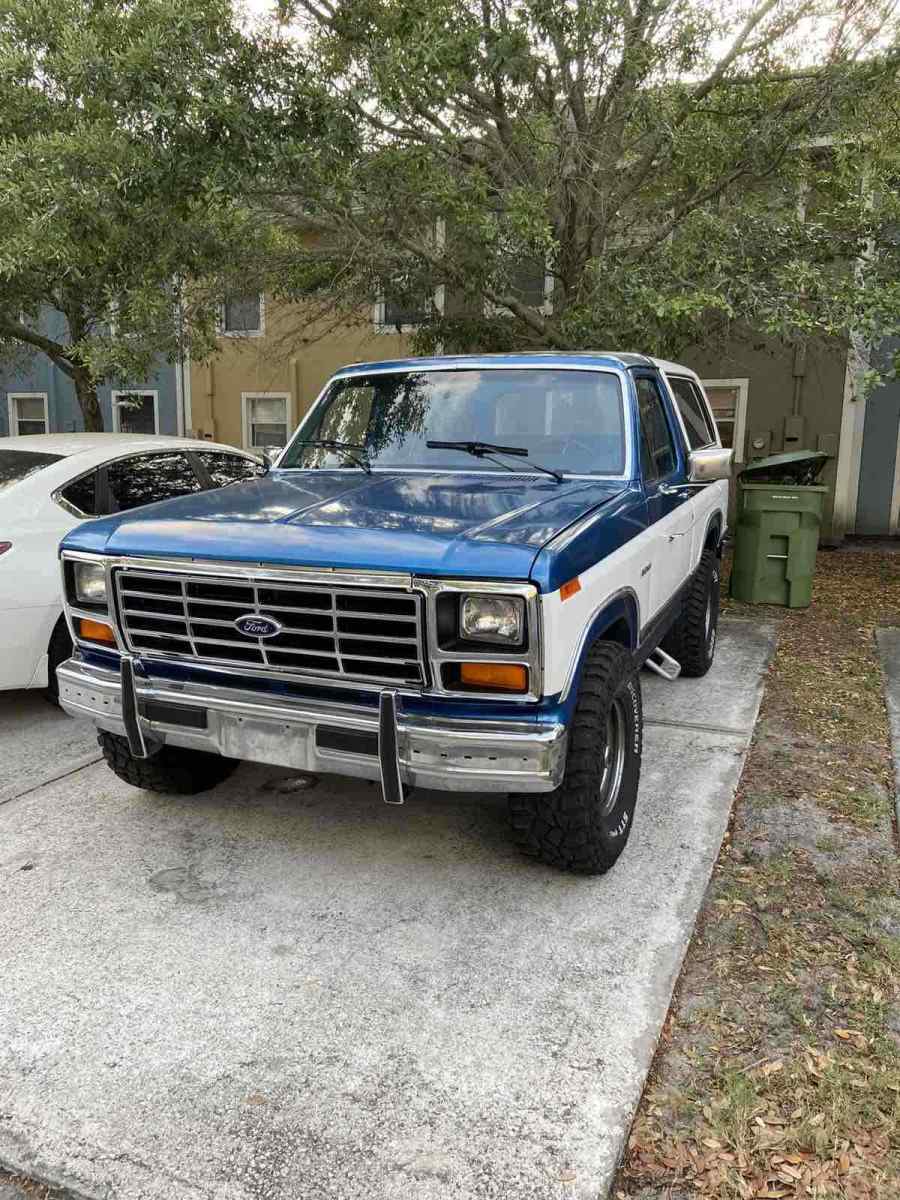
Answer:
(172, 769)
(583, 826)
(58, 651)
(692, 639)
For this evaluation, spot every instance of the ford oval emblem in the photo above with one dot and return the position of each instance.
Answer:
(254, 626)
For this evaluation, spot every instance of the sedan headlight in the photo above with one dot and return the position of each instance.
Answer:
(90, 583)
(499, 619)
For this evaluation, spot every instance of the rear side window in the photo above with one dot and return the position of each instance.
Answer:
(658, 452)
(19, 464)
(693, 412)
(82, 494)
(228, 468)
(146, 478)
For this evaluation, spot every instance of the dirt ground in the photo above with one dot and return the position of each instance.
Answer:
(778, 1074)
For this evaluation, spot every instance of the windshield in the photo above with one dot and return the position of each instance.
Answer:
(571, 421)
(19, 464)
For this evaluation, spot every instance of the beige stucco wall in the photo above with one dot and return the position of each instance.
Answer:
(291, 356)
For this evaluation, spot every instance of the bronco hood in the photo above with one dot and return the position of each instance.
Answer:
(430, 524)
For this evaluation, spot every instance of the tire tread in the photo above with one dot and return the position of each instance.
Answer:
(172, 769)
(559, 827)
(686, 640)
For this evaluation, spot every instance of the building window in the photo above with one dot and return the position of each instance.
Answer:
(529, 282)
(135, 412)
(404, 307)
(243, 316)
(728, 400)
(28, 413)
(266, 417)
(400, 310)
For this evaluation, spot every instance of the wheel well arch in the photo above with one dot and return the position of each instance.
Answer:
(617, 620)
(713, 537)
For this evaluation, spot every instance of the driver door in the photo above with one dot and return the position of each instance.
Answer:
(670, 515)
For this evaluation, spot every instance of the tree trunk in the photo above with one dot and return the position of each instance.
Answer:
(88, 402)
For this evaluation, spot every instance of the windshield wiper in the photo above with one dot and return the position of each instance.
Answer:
(348, 449)
(486, 449)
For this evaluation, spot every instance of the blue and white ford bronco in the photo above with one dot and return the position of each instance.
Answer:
(449, 578)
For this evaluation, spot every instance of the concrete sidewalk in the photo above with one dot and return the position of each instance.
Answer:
(271, 994)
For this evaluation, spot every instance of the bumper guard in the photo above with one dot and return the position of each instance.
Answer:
(395, 748)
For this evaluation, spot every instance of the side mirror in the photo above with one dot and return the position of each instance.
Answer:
(709, 464)
(270, 455)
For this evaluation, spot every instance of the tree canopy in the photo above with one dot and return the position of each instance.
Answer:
(674, 168)
(129, 131)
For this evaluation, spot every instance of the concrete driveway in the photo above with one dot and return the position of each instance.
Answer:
(38, 743)
(271, 993)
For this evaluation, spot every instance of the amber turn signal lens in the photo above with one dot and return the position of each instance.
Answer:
(572, 588)
(95, 631)
(509, 677)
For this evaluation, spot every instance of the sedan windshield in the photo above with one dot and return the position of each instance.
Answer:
(19, 464)
(569, 421)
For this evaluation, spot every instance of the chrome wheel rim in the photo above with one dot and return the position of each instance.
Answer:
(613, 758)
(708, 618)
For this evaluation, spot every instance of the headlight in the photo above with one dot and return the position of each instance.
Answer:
(493, 619)
(90, 583)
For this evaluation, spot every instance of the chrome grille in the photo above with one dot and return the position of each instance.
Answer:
(357, 633)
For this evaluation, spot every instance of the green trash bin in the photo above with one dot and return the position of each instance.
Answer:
(777, 532)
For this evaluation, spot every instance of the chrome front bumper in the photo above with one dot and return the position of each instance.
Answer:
(387, 745)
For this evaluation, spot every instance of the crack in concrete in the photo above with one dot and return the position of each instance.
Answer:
(699, 727)
(72, 769)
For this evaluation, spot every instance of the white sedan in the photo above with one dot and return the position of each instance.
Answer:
(51, 482)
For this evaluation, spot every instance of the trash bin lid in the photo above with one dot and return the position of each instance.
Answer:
(797, 467)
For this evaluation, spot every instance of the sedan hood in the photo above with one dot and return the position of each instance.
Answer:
(430, 523)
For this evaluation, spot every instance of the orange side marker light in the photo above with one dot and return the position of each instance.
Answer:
(96, 631)
(508, 677)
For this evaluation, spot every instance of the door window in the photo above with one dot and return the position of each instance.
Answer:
(658, 456)
(82, 494)
(227, 468)
(146, 478)
(693, 412)
(27, 414)
(134, 412)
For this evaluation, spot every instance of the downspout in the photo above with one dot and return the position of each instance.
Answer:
(211, 399)
(180, 423)
(799, 373)
(294, 416)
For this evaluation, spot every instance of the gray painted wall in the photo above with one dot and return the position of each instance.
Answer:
(881, 432)
(769, 366)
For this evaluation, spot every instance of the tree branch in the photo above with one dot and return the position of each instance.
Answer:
(56, 351)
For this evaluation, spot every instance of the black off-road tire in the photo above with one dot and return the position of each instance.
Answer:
(692, 639)
(58, 651)
(172, 769)
(581, 827)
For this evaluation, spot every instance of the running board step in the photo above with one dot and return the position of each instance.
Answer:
(663, 664)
